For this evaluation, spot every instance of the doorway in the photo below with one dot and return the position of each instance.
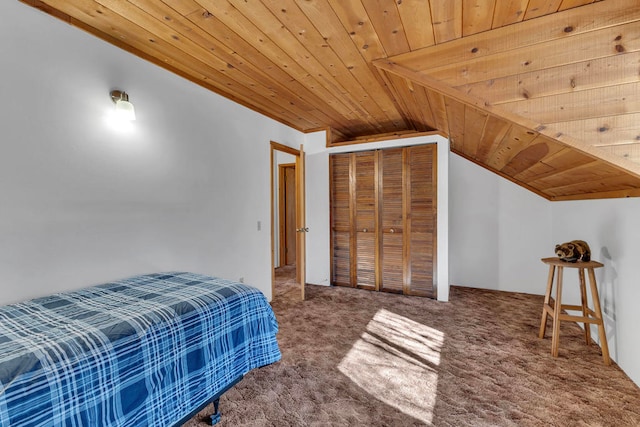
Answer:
(287, 214)
(287, 220)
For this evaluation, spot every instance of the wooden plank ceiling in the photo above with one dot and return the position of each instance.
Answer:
(543, 92)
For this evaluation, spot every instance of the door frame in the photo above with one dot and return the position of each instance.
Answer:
(300, 240)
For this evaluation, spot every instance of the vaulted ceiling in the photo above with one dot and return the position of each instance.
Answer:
(543, 92)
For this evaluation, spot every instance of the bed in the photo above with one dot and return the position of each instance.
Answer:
(148, 350)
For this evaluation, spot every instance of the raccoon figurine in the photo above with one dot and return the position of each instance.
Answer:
(573, 251)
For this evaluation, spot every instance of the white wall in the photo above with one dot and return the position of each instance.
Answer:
(82, 204)
(317, 204)
(612, 229)
(499, 232)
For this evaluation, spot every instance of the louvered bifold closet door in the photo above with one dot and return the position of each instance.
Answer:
(422, 185)
(392, 214)
(365, 218)
(341, 206)
(383, 219)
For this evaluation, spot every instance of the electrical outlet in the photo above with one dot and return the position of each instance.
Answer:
(241, 280)
(259, 225)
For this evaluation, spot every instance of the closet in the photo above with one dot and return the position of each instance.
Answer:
(383, 219)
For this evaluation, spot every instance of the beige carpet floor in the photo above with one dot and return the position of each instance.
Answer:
(359, 358)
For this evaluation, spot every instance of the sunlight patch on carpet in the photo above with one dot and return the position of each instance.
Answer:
(396, 360)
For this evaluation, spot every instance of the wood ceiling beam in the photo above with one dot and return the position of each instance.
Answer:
(613, 194)
(383, 137)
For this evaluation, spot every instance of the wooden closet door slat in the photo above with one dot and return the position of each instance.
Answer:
(340, 219)
(365, 219)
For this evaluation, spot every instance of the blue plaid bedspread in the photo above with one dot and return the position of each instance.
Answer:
(147, 350)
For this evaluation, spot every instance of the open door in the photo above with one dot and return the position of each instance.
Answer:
(301, 225)
(300, 219)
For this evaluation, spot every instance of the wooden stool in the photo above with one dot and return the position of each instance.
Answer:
(588, 315)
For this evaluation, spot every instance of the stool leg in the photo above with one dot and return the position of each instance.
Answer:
(585, 312)
(598, 314)
(555, 339)
(547, 299)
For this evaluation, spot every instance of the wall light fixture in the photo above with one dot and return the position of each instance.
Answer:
(124, 108)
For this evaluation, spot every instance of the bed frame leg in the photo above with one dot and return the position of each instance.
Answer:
(215, 417)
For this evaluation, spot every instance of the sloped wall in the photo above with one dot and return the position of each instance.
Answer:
(498, 231)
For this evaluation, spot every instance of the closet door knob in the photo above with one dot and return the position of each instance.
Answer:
(364, 230)
(392, 230)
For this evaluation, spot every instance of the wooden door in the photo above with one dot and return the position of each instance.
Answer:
(383, 219)
(287, 213)
(392, 214)
(341, 218)
(366, 219)
(422, 208)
